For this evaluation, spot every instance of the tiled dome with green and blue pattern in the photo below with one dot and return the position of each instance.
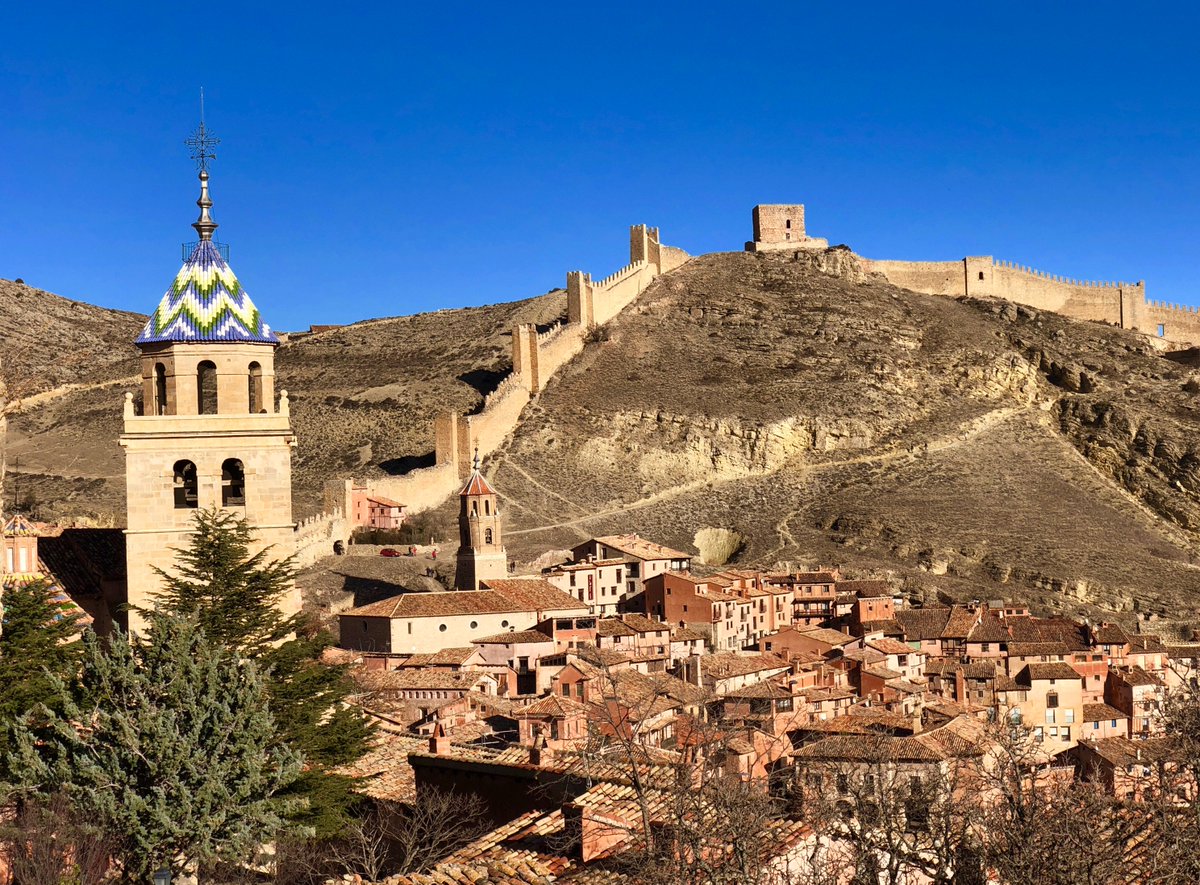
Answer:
(206, 303)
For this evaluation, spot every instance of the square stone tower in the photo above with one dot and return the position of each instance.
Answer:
(781, 226)
(778, 223)
(209, 433)
(481, 555)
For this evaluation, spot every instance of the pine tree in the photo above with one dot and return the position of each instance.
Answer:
(234, 595)
(40, 639)
(180, 761)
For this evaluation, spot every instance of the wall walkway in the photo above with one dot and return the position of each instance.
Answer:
(536, 357)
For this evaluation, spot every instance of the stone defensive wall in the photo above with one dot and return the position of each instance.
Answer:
(1118, 303)
(322, 535)
(536, 356)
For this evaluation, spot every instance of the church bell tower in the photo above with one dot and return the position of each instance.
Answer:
(209, 431)
(481, 555)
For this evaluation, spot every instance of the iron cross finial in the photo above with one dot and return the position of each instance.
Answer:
(201, 142)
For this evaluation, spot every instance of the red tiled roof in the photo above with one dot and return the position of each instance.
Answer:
(476, 485)
(632, 545)
(514, 637)
(534, 594)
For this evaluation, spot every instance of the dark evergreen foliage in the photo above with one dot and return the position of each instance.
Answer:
(234, 595)
(40, 640)
(165, 745)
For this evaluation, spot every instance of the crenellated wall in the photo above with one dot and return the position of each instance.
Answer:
(1119, 303)
(536, 356)
(322, 535)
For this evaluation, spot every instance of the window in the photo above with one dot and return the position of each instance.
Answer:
(572, 579)
(1162, 331)
(1095, 725)
(981, 275)
(233, 483)
(206, 388)
(788, 224)
(160, 389)
(487, 533)
(185, 485)
(1052, 699)
(1068, 716)
(985, 647)
(487, 507)
(255, 393)
(1049, 717)
(566, 690)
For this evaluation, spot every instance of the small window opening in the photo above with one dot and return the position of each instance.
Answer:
(185, 485)
(206, 388)
(256, 389)
(1162, 331)
(160, 389)
(788, 224)
(233, 483)
(487, 536)
(474, 508)
(981, 275)
(487, 508)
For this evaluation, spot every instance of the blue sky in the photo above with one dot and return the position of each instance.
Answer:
(393, 158)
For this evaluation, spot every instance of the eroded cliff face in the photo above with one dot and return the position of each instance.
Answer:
(970, 447)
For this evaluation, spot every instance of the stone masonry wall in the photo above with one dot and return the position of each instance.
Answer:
(536, 358)
(1119, 303)
(321, 536)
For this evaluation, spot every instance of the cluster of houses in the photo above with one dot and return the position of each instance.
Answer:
(529, 680)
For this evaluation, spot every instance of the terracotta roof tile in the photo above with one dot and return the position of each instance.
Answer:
(923, 623)
(632, 545)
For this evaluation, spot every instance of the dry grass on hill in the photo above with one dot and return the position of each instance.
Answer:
(970, 448)
(973, 448)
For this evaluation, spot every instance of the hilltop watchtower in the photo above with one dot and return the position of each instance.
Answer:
(781, 226)
(209, 432)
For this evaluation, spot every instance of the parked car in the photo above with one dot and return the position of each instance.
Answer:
(388, 551)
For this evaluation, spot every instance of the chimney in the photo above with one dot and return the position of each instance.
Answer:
(438, 742)
(538, 748)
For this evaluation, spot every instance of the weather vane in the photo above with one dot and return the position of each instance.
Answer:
(202, 141)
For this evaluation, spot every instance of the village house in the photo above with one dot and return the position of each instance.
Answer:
(1101, 721)
(790, 642)
(1053, 705)
(812, 595)
(1138, 695)
(643, 559)
(599, 584)
(1132, 770)
(412, 623)
(682, 598)
(375, 511)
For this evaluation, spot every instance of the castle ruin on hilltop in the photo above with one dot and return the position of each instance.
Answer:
(781, 227)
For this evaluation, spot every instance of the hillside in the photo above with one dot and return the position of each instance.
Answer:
(970, 448)
(974, 448)
(363, 396)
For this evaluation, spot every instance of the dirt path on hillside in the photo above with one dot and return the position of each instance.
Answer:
(964, 433)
